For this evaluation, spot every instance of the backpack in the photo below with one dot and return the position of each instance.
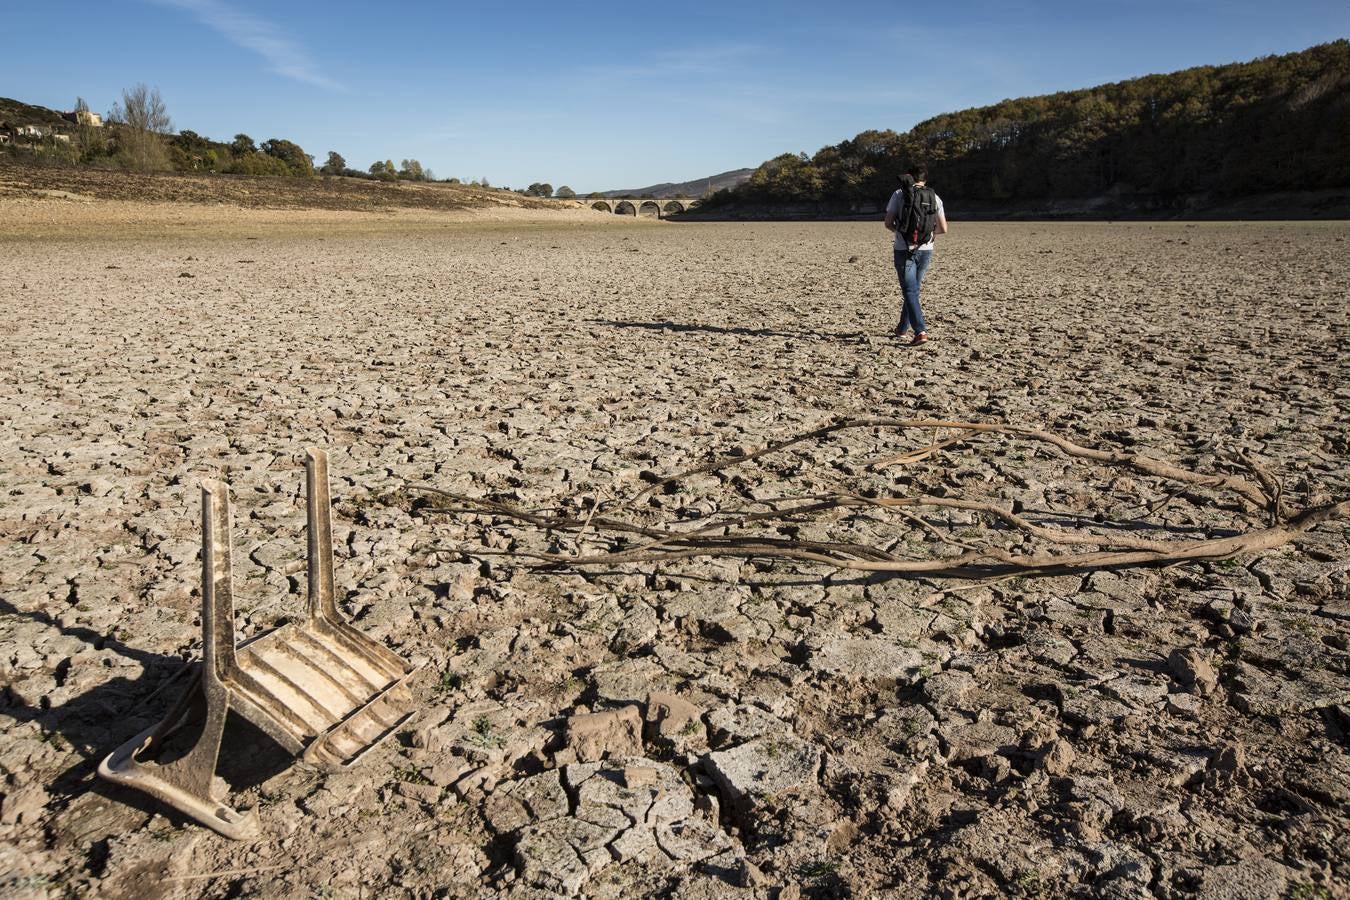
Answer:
(919, 216)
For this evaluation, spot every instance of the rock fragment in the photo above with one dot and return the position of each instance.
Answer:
(676, 722)
(763, 768)
(1193, 672)
(613, 732)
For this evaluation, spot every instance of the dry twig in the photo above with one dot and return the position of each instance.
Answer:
(717, 536)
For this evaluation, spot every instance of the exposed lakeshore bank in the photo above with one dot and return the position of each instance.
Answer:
(1275, 206)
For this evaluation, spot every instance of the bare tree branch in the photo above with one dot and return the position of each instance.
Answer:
(723, 533)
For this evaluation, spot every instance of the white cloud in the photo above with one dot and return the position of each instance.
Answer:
(284, 56)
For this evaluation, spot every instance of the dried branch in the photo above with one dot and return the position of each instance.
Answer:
(721, 534)
(1145, 465)
(982, 562)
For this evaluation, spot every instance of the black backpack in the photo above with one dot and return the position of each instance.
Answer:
(919, 216)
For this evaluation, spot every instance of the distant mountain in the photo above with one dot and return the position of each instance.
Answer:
(696, 188)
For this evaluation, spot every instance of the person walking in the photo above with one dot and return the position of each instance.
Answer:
(916, 215)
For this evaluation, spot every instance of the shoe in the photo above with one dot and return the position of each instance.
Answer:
(921, 337)
(899, 332)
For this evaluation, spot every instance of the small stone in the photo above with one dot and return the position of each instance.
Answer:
(977, 740)
(429, 794)
(1183, 705)
(1057, 759)
(748, 874)
(1241, 621)
(1193, 672)
(614, 732)
(841, 837)
(1229, 758)
(446, 772)
(482, 778)
(674, 719)
(639, 776)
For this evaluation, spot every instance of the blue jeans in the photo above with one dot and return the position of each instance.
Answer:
(911, 265)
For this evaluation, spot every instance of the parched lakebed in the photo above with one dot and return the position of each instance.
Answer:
(766, 728)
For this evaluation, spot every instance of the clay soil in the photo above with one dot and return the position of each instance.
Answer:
(18, 180)
(1139, 732)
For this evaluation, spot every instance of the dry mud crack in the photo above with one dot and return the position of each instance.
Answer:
(714, 728)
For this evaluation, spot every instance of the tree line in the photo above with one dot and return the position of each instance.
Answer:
(1276, 123)
(138, 136)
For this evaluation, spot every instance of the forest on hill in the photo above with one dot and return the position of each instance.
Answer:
(1279, 123)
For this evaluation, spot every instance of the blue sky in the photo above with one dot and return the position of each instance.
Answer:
(603, 95)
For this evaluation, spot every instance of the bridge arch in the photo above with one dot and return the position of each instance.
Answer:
(625, 208)
(649, 208)
(673, 206)
(602, 205)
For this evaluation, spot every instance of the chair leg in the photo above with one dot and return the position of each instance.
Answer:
(319, 518)
(189, 783)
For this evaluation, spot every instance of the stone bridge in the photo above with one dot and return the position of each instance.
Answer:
(659, 207)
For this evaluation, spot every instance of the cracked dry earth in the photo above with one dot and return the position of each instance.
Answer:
(712, 728)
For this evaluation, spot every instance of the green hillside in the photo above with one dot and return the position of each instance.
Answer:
(1279, 123)
(15, 113)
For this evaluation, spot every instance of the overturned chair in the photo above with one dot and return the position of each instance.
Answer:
(317, 687)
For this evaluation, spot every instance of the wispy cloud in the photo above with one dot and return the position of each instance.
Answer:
(284, 56)
(712, 60)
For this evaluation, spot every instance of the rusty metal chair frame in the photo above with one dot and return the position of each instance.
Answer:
(318, 687)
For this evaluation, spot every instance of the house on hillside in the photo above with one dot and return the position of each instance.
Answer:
(84, 117)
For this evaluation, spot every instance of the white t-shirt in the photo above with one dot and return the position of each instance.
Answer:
(897, 203)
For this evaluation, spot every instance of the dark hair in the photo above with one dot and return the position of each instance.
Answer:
(920, 173)
(906, 181)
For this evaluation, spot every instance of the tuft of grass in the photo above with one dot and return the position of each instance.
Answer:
(1308, 891)
(1030, 883)
(818, 869)
(563, 688)
(449, 681)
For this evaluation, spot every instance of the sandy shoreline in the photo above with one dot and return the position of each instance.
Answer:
(85, 218)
